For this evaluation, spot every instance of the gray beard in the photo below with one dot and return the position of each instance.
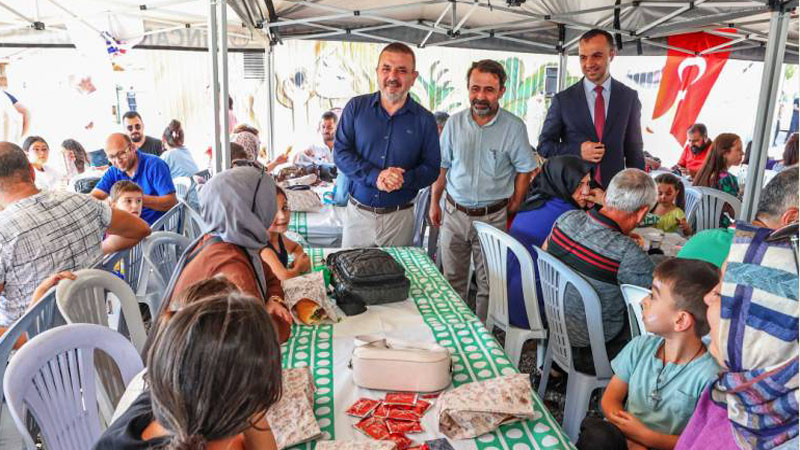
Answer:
(394, 98)
(484, 112)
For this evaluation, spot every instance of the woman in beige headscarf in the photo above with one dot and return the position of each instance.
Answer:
(247, 137)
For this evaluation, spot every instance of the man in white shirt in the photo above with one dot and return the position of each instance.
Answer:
(321, 152)
(46, 232)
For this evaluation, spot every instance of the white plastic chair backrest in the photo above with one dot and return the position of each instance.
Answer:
(193, 224)
(162, 250)
(182, 187)
(554, 277)
(708, 211)
(37, 319)
(421, 206)
(52, 378)
(691, 197)
(495, 246)
(633, 296)
(170, 221)
(85, 300)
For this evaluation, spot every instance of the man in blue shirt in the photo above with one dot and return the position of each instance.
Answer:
(148, 171)
(388, 147)
(486, 165)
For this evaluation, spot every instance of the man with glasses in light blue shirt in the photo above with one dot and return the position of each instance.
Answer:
(486, 165)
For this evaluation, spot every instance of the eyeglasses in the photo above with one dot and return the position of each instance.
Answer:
(118, 155)
(136, 127)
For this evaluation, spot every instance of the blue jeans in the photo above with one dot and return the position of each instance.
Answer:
(341, 190)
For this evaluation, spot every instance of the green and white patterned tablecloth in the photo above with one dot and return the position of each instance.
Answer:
(321, 228)
(433, 312)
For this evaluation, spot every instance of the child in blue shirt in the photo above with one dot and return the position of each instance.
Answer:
(661, 374)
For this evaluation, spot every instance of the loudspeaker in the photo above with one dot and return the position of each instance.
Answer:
(550, 80)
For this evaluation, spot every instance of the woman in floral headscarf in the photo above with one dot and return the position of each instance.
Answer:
(247, 137)
(753, 316)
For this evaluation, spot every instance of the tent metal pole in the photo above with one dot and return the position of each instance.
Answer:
(723, 45)
(436, 24)
(270, 61)
(689, 26)
(466, 16)
(767, 99)
(16, 13)
(668, 17)
(562, 70)
(212, 46)
(223, 100)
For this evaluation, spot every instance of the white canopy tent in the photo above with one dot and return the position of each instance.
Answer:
(764, 30)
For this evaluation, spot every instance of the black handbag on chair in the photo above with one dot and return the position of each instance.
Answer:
(367, 276)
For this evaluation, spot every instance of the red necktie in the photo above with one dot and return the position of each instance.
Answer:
(599, 123)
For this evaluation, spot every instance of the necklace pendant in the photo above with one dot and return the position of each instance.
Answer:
(656, 398)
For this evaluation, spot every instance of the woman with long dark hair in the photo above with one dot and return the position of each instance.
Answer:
(75, 158)
(725, 153)
(193, 401)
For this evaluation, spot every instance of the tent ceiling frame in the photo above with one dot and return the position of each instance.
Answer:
(369, 13)
(667, 17)
(13, 11)
(459, 33)
(153, 12)
(436, 24)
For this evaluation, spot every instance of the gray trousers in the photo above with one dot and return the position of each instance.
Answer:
(367, 229)
(458, 241)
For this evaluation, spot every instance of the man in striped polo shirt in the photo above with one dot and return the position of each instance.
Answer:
(597, 245)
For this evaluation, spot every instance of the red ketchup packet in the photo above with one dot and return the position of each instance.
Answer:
(400, 440)
(399, 426)
(403, 414)
(363, 407)
(401, 399)
(381, 411)
(421, 407)
(373, 427)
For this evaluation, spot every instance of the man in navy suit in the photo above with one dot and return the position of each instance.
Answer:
(597, 118)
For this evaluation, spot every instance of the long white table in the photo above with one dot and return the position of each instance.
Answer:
(433, 313)
(321, 228)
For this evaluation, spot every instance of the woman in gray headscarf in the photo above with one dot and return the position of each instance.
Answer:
(238, 205)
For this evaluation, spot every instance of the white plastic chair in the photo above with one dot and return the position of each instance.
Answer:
(193, 224)
(421, 204)
(88, 299)
(51, 378)
(554, 277)
(161, 252)
(170, 221)
(691, 197)
(708, 212)
(633, 296)
(182, 187)
(37, 319)
(495, 246)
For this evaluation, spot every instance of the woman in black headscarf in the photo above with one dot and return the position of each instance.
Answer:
(561, 186)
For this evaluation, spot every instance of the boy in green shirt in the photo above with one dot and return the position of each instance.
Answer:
(663, 373)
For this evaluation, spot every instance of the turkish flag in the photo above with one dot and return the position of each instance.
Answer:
(688, 79)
